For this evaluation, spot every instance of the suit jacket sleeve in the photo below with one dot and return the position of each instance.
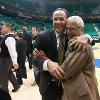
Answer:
(75, 61)
(38, 62)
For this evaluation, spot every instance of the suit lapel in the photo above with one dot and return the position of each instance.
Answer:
(54, 45)
(53, 39)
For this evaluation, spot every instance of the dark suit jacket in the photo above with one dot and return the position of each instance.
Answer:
(47, 42)
(21, 47)
(28, 38)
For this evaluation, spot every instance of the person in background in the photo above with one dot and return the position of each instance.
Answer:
(8, 54)
(36, 74)
(11, 76)
(34, 36)
(28, 38)
(21, 47)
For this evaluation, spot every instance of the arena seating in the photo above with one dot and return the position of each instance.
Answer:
(18, 23)
(89, 29)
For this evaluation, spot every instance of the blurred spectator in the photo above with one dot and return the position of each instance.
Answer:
(28, 38)
(21, 46)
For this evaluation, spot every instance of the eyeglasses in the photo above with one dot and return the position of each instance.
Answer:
(72, 29)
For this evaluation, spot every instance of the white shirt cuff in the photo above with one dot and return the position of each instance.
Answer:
(45, 67)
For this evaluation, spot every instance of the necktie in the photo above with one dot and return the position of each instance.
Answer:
(61, 49)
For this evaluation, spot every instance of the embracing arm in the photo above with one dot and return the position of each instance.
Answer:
(42, 60)
(75, 62)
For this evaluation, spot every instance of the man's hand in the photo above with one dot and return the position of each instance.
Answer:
(39, 54)
(79, 43)
(75, 44)
(55, 70)
(16, 66)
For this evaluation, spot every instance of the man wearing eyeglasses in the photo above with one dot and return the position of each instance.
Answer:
(79, 80)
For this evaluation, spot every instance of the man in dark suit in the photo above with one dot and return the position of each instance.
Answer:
(28, 38)
(21, 47)
(34, 36)
(49, 42)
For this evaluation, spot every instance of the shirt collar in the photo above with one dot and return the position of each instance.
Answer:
(57, 35)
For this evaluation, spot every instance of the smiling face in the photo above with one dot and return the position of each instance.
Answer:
(59, 21)
(34, 31)
(73, 29)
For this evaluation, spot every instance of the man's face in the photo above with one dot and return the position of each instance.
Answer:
(4, 30)
(73, 29)
(59, 21)
(34, 31)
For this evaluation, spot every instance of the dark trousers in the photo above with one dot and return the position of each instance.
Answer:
(29, 58)
(12, 78)
(53, 92)
(4, 72)
(4, 95)
(37, 78)
(21, 72)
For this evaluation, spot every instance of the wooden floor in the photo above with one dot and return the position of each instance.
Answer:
(28, 92)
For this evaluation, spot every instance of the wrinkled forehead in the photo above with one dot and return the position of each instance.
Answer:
(71, 24)
(59, 13)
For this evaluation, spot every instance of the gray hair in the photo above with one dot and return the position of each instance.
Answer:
(77, 19)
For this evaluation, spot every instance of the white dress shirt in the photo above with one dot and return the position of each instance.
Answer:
(11, 45)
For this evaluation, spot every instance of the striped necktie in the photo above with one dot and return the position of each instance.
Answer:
(61, 50)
